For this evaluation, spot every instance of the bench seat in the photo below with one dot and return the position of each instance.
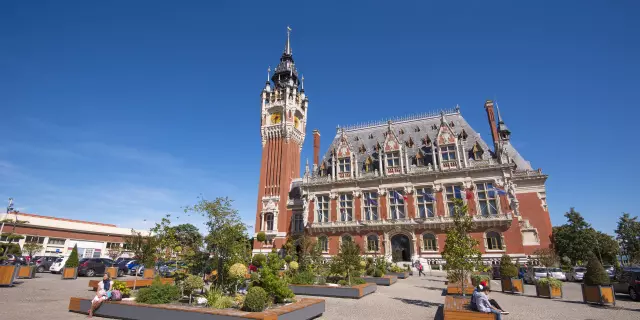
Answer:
(457, 308)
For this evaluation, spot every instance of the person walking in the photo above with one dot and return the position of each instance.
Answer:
(420, 268)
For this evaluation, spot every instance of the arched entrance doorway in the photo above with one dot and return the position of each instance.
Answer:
(400, 248)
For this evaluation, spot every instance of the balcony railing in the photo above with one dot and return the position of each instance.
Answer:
(480, 220)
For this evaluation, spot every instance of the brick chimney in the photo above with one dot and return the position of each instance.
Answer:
(316, 148)
(488, 106)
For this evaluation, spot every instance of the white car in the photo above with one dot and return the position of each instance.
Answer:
(557, 273)
(56, 266)
(576, 274)
(534, 274)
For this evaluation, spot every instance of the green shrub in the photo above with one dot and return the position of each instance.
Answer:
(294, 265)
(192, 283)
(595, 275)
(395, 268)
(259, 260)
(256, 300)
(216, 299)
(477, 278)
(507, 269)
(378, 273)
(357, 281)
(288, 258)
(122, 287)
(304, 277)
(342, 282)
(255, 279)
(73, 261)
(158, 293)
(238, 271)
(261, 236)
(553, 282)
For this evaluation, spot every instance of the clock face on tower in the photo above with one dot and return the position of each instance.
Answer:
(296, 122)
(276, 118)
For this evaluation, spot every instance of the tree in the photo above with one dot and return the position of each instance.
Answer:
(507, 269)
(574, 239)
(262, 238)
(32, 248)
(165, 238)
(605, 247)
(547, 258)
(73, 260)
(460, 251)
(227, 239)
(595, 275)
(188, 236)
(347, 261)
(628, 233)
(143, 248)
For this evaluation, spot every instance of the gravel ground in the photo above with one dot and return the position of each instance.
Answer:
(47, 297)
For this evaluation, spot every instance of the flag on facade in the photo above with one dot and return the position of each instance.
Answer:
(428, 196)
(499, 191)
(373, 202)
(469, 194)
(397, 195)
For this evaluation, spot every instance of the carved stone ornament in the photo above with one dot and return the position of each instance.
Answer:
(382, 191)
(269, 206)
(437, 187)
(499, 182)
(305, 211)
(468, 184)
(357, 193)
(333, 195)
(408, 190)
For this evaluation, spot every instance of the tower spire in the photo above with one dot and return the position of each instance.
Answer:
(287, 47)
(499, 116)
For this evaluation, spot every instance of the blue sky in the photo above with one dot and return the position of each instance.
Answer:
(123, 111)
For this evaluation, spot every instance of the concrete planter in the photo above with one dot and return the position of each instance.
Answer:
(512, 285)
(603, 294)
(400, 275)
(112, 272)
(140, 283)
(548, 292)
(307, 308)
(148, 273)
(27, 272)
(69, 273)
(7, 275)
(354, 292)
(385, 280)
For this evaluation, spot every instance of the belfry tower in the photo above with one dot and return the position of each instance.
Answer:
(283, 116)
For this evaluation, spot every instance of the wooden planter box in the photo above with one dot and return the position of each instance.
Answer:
(69, 273)
(112, 272)
(140, 283)
(457, 308)
(513, 285)
(385, 280)
(27, 272)
(604, 295)
(548, 292)
(306, 308)
(354, 292)
(7, 275)
(400, 275)
(148, 273)
(456, 288)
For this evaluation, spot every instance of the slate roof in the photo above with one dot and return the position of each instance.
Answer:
(416, 129)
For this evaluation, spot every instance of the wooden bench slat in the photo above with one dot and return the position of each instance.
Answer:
(457, 308)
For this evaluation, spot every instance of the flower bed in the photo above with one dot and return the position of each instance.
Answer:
(140, 283)
(385, 280)
(355, 292)
(307, 308)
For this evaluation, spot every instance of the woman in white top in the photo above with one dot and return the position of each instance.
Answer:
(103, 293)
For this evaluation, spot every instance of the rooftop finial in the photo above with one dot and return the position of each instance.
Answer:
(302, 83)
(287, 48)
(499, 116)
(268, 73)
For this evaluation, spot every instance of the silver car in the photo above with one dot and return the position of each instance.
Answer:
(557, 273)
(576, 274)
(534, 274)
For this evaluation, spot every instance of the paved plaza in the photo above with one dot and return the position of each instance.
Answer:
(47, 297)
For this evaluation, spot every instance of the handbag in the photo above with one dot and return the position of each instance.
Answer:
(116, 295)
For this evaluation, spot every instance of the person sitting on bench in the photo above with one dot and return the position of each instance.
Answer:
(482, 304)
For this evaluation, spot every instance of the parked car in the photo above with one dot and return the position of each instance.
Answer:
(557, 273)
(44, 263)
(57, 265)
(628, 281)
(534, 274)
(169, 269)
(611, 271)
(132, 266)
(576, 274)
(121, 259)
(94, 266)
(123, 269)
(13, 259)
(521, 272)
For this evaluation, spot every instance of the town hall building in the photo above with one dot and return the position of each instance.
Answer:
(389, 186)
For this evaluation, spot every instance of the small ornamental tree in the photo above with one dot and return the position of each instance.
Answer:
(460, 251)
(72, 262)
(595, 275)
(261, 237)
(547, 258)
(31, 248)
(508, 270)
(348, 260)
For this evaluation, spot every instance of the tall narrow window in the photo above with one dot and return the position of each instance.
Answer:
(393, 159)
(269, 221)
(346, 207)
(34, 239)
(426, 199)
(370, 205)
(494, 241)
(448, 152)
(372, 243)
(429, 242)
(344, 165)
(396, 204)
(487, 198)
(323, 243)
(452, 192)
(298, 223)
(323, 208)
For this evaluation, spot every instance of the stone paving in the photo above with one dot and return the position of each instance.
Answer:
(47, 297)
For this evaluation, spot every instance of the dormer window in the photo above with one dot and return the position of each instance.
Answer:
(477, 152)
(344, 165)
(368, 164)
(393, 159)
(448, 152)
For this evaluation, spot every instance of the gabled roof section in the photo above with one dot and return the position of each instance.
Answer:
(344, 148)
(446, 135)
(391, 142)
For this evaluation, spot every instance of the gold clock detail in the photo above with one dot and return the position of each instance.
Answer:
(276, 118)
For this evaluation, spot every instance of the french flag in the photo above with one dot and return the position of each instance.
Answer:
(397, 195)
(428, 196)
(500, 191)
(371, 201)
